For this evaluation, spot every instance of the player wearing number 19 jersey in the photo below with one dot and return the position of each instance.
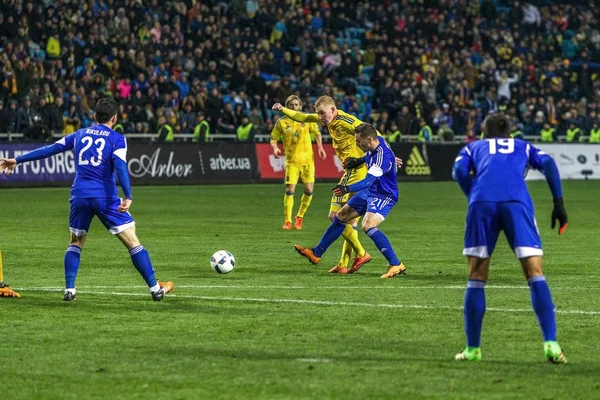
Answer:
(491, 173)
(99, 153)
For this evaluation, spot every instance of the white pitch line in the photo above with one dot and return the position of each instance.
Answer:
(334, 303)
(315, 360)
(304, 287)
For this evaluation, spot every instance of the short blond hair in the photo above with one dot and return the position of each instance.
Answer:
(324, 101)
(292, 98)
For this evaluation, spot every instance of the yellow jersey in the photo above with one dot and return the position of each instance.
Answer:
(296, 138)
(341, 130)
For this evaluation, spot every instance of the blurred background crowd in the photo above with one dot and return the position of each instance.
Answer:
(408, 66)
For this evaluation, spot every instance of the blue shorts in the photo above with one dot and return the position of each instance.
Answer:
(84, 210)
(362, 202)
(485, 220)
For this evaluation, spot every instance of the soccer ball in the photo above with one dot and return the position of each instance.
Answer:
(222, 262)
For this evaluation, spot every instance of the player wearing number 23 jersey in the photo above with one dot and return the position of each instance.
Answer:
(99, 153)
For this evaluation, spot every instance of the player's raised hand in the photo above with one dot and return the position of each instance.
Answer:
(277, 152)
(399, 162)
(322, 154)
(559, 213)
(7, 165)
(125, 204)
(277, 107)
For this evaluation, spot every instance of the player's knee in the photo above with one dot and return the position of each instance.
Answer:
(77, 240)
(367, 225)
(332, 215)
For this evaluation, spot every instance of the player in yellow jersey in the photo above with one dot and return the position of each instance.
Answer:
(299, 160)
(341, 129)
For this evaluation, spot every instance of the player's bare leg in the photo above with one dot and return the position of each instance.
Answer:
(288, 205)
(474, 308)
(304, 204)
(141, 261)
(541, 300)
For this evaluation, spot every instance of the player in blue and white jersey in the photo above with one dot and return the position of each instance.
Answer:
(99, 153)
(375, 196)
(491, 173)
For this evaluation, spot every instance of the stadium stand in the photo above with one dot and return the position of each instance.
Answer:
(388, 62)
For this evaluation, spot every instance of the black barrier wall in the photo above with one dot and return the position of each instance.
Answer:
(181, 164)
(426, 162)
(177, 164)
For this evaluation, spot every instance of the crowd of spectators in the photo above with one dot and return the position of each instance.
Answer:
(400, 64)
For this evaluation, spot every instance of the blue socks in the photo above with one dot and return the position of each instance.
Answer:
(331, 235)
(541, 300)
(474, 311)
(141, 261)
(384, 245)
(72, 259)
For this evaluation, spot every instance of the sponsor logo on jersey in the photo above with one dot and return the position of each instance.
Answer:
(416, 164)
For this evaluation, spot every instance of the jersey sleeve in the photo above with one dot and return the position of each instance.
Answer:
(276, 133)
(382, 163)
(348, 122)
(535, 157)
(120, 148)
(461, 172)
(66, 143)
(300, 116)
(544, 163)
(313, 129)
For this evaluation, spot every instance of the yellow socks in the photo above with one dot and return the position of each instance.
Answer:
(288, 205)
(351, 236)
(346, 254)
(304, 203)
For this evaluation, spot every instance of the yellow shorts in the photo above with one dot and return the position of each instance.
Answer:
(304, 172)
(350, 176)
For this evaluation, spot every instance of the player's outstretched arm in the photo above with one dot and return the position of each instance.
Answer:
(297, 116)
(545, 164)
(341, 190)
(8, 165)
(353, 162)
(123, 176)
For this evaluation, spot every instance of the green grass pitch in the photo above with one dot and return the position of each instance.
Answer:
(278, 327)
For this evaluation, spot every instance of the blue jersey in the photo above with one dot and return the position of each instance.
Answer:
(96, 148)
(381, 163)
(499, 166)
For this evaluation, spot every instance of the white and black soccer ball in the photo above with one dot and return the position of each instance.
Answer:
(222, 262)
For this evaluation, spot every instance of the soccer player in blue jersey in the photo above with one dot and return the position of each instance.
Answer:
(491, 173)
(375, 196)
(99, 153)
